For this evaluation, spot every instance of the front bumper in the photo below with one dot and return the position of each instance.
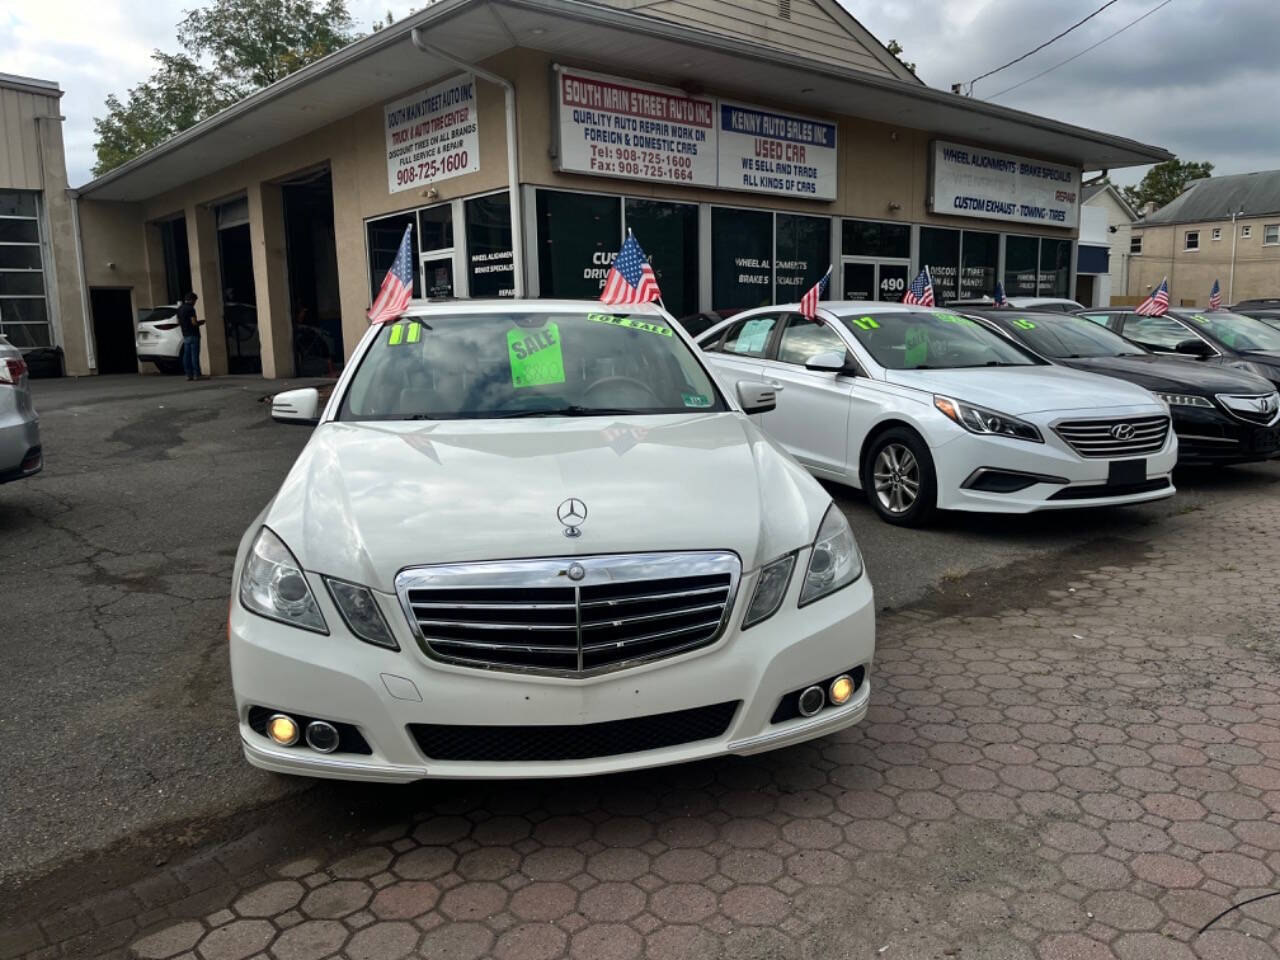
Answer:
(381, 692)
(1208, 436)
(1062, 478)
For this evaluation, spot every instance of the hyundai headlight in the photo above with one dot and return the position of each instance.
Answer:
(982, 420)
(834, 562)
(770, 590)
(273, 585)
(360, 611)
(1184, 400)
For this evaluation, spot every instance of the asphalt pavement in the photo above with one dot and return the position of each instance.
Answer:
(119, 743)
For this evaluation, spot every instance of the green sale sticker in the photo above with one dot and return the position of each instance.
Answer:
(631, 323)
(535, 356)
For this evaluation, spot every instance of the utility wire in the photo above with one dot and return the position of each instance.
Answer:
(1082, 52)
(1042, 46)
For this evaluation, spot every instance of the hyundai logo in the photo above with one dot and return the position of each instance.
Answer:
(1122, 431)
(572, 513)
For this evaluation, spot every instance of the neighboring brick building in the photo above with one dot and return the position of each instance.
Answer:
(1194, 240)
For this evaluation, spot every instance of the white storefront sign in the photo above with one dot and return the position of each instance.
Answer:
(432, 135)
(994, 185)
(769, 152)
(619, 128)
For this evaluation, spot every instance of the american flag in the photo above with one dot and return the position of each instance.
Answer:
(921, 290)
(397, 287)
(1215, 297)
(998, 297)
(809, 302)
(631, 280)
(1156, 304)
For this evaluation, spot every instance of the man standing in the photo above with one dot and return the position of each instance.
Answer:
(190, 337)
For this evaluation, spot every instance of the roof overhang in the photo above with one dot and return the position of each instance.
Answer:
(385, 64)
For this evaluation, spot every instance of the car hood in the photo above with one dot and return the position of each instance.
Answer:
(1160, 373)
(1023, 390)
(365, 500)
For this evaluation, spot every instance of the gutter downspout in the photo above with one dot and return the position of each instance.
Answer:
(513, 159)
(90, 347)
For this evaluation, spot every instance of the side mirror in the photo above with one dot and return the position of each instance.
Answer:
(757, 397)
(833, 361)
(297, 406)
(1194, 347)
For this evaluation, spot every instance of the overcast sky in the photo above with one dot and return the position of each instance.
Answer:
(1198, 76)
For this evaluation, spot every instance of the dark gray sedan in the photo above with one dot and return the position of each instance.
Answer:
(19, 426)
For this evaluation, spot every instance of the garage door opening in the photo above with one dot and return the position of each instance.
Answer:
(239, 295)
(113, 330)
(313, 275)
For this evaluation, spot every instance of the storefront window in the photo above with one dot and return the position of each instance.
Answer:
(578, 237)
(741, 259)
(1055, 268)
(24, 315)
(435, 228)
(177, 259)
(490, 268)
(383, 237)
(980, 256)
(668, 234)
(1021, 257)
(804, 253)
(940, 252)
(866, 238)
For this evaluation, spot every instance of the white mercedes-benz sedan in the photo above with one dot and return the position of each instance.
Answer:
(533, 539)
(926, 409)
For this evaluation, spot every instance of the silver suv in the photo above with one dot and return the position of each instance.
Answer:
(19, 426)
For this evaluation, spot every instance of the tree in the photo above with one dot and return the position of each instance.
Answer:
(230, 48)
(894, 47)
(1165, 182)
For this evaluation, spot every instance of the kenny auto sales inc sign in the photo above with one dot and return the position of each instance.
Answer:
(993, 185)
(612, 127)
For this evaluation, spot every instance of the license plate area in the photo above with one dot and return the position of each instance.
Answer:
(1125, 472)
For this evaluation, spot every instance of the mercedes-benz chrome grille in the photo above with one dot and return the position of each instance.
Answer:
(1123, 437)
(533, 616)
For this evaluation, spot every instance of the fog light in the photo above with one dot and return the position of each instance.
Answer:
(322, 736)
(282, 730)
(841, 689)
(811, 701)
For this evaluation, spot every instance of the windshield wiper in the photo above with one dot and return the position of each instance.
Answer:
(570, 410)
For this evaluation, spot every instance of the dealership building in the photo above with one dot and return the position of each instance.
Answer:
(748, 144)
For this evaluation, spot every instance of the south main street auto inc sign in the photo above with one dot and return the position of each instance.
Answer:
(613, 127)
(992, 185)
(432, 135)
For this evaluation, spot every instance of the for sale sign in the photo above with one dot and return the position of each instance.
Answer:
(621, 128)
(432, 135)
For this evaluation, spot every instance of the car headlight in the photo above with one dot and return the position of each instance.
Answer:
(988, 422)
(834, 562)
(360, 611)
(771, 587)
(1183, 400)
(273, 585)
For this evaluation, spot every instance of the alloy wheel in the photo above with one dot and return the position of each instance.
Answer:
(897, 478)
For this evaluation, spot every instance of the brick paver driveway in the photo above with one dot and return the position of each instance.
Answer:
(1096, 775)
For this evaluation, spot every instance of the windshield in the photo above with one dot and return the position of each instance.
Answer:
(1068, 337)
(502, 364)
(1237, 332)
(932, 340)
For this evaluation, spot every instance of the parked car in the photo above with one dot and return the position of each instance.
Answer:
(926, 409)
(158, 338)
(1051, 304)
(696, 323)
(20, 454)
(1257, 303)
(1220, 415)
(1211, 337)
(535, 538)
(1268, 315)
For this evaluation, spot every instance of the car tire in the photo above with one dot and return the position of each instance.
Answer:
(906, 494)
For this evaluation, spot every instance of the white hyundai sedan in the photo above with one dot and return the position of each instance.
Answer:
(926, 409)
(533, 539)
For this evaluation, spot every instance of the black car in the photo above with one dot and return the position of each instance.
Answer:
(1220, 415)
(1268, 315)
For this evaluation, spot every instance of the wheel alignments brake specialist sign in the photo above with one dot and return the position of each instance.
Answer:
(433, 134)
(993, 185)
(621, 128)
